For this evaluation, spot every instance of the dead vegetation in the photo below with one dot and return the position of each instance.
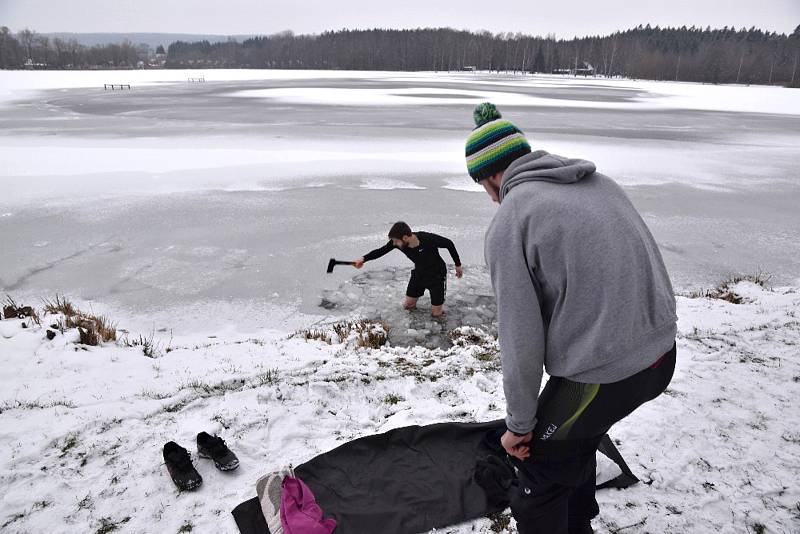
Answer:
(34, 405)
(500, 521)
(150, 347)
(466, 336)
(12, 310)
(92, 328)
(724, 290)
(371, 334)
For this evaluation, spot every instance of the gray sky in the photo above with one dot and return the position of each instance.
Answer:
(565, 18)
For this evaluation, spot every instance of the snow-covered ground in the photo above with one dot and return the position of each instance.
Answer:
(83, 427)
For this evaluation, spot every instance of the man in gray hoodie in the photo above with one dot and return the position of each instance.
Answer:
(582, 292)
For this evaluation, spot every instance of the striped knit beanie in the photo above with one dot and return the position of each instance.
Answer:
(493, 144)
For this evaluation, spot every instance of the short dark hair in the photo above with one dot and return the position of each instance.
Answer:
(399, 229)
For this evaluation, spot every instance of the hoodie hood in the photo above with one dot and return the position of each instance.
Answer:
(541, 166)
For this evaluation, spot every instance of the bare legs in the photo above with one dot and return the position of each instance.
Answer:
(411, 304)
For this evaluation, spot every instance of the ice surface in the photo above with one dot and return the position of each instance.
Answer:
(104, 196)
(208, 219)
(644, 96)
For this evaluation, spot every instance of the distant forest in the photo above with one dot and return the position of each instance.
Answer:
(30, 50)
(726, 55)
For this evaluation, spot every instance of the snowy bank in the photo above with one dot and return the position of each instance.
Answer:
(83, 427)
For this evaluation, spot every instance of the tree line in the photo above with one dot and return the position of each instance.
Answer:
(28, 49)
(726, 55)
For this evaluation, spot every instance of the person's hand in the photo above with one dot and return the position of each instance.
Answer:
(359, 263)
(459, 271)
(517, 446)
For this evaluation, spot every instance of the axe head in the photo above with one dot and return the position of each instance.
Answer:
(331, 264)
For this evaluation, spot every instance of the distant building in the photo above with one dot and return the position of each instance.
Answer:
(160, 58)
(30, 65)
(586, 70)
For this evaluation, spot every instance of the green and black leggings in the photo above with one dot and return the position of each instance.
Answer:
(557, 482)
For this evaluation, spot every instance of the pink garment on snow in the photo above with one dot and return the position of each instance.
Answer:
(300, 513)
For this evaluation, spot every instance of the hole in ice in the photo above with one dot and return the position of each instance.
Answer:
(379, 294)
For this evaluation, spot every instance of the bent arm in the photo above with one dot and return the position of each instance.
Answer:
(443, 242)
(378, 252)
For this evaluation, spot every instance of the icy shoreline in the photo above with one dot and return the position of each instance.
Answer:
(84, 426)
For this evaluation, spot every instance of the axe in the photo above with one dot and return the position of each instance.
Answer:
(332, 263)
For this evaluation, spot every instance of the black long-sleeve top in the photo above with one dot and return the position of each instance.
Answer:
(426, 256)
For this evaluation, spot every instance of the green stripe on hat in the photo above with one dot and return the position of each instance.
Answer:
(490, 130)
(510, 146)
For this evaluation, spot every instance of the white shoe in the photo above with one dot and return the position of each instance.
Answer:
(269, 488)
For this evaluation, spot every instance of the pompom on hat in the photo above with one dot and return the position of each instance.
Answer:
(493, 144)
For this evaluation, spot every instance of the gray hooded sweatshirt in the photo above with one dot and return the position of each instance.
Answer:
(581, 288)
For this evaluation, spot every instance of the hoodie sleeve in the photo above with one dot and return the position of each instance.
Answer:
(521, 328)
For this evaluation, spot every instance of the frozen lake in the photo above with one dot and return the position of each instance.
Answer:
(232, 194)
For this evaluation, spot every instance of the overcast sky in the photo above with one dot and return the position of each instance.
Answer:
(565, 18)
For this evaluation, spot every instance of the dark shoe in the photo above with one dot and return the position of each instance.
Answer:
(214, 447)
(179, 465)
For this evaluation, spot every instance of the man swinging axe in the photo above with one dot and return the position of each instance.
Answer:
(430, 271)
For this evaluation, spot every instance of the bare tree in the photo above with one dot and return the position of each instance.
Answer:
(26, 38)
(42, 47)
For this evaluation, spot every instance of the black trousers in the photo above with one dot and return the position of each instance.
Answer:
(555, 494)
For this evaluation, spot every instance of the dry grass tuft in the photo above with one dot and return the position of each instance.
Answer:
(150, 347)
(724, 290)
(92, 328)
(12, 310)
(60, 304)
(371, 334)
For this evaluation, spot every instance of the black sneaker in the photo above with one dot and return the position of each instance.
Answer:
(214, 447)
(179, 465)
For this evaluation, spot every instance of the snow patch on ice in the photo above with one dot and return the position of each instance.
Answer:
(464, 183)
(388, 184)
